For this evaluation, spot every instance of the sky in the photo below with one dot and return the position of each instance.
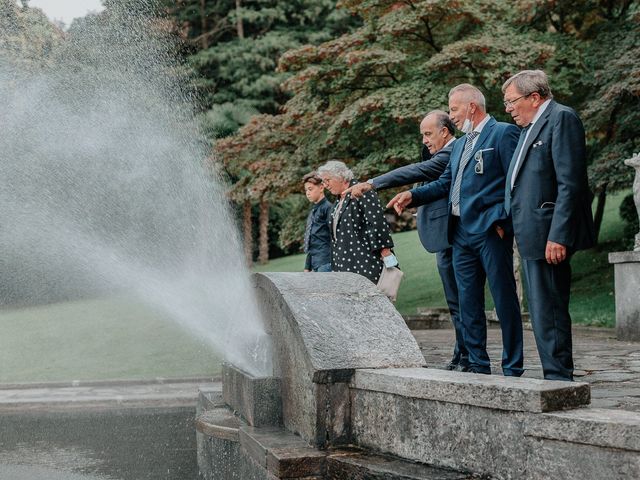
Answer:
(66, 10)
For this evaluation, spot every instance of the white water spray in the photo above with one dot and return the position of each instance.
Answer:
(103, 188)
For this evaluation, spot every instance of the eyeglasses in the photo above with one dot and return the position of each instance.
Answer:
(511, 103)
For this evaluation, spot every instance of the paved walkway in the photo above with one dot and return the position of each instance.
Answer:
(611, 367)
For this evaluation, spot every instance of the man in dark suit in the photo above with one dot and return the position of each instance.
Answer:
(547, 194)
(437, 131)
(479, 228)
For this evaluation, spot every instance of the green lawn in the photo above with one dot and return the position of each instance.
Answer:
(97, 339)
(592, 301)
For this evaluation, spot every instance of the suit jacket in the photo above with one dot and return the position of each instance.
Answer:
(432, 218)
(481, 194)
(551, 199)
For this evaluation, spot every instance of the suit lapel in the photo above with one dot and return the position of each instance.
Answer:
(484, 134)
(533, 134)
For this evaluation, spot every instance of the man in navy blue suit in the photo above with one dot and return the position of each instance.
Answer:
(437, 131)
(479, 228)
(547, 193)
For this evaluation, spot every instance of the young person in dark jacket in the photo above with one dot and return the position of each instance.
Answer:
(317, 234)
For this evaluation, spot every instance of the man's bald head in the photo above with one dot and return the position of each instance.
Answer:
(436, 129)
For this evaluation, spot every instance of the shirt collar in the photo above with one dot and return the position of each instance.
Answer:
(453, 139)
(540, 111)
(482, 124)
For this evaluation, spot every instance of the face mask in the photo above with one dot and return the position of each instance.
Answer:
(467, 126)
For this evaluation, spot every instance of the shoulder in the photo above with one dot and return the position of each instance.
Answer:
(504, 128)
(561, 113)
(443, 154)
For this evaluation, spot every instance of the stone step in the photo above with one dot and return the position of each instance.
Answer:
(273, 452)
(489, 391)
(209, 397)
(361, 466)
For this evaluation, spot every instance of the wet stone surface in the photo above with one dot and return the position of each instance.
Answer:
(611, 367)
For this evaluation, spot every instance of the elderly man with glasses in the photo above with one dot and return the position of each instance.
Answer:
(547, 194)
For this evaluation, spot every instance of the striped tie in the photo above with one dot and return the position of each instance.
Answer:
(466, 156)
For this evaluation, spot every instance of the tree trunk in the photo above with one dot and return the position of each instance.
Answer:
(597, 217)
(239, 25)
(263, 249)
(203, 24)
(248, 236)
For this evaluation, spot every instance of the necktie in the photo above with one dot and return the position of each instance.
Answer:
(512, 166)
(466, 156)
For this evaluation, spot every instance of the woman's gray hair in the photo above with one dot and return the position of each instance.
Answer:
(336, 168)
(530, 81)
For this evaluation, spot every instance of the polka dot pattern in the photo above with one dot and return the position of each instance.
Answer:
(361, 233)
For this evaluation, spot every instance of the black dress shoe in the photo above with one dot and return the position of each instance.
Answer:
(464, 368)
(477, 370)
(451, 366)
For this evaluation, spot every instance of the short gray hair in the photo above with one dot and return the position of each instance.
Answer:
(530, 81)
(471, 94)
(336, 168)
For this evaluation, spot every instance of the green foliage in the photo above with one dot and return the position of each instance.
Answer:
(629, 214)
(27, 37)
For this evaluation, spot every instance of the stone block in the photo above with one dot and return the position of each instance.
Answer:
(490, 391)
(444, 434)
(627, 286)
(219, 423)
(209, 397)
(359, 466)
(615, 429)
(322, 332)
(579, 461)
(257, 400)
(257, 442)
(339, 319)
(295, 462)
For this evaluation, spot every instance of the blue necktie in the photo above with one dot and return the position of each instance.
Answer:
(466, 156)
(512, 166)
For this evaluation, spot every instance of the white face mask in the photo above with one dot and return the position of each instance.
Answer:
(467, 126)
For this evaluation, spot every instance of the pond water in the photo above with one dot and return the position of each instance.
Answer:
(130, 444)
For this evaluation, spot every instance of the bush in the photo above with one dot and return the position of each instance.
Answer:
(629, 214)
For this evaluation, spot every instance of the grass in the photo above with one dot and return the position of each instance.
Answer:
(97, 339)
(592, 301)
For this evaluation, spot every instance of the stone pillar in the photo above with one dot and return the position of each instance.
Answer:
(627, 287)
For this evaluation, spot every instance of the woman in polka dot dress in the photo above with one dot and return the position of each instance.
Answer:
(360, 234)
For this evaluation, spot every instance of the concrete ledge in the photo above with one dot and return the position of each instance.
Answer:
(624, 257)
(219, 423)
(257, 400)
(490, 391)
(592, 426)
(359, 466)
(209, 397)
(281, 453)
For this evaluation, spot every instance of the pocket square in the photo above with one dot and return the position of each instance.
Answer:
(537, 144)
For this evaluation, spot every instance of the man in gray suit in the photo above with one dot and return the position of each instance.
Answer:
(547, 194)
(437, 131)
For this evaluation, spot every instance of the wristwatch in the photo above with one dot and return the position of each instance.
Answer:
(370, 182)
